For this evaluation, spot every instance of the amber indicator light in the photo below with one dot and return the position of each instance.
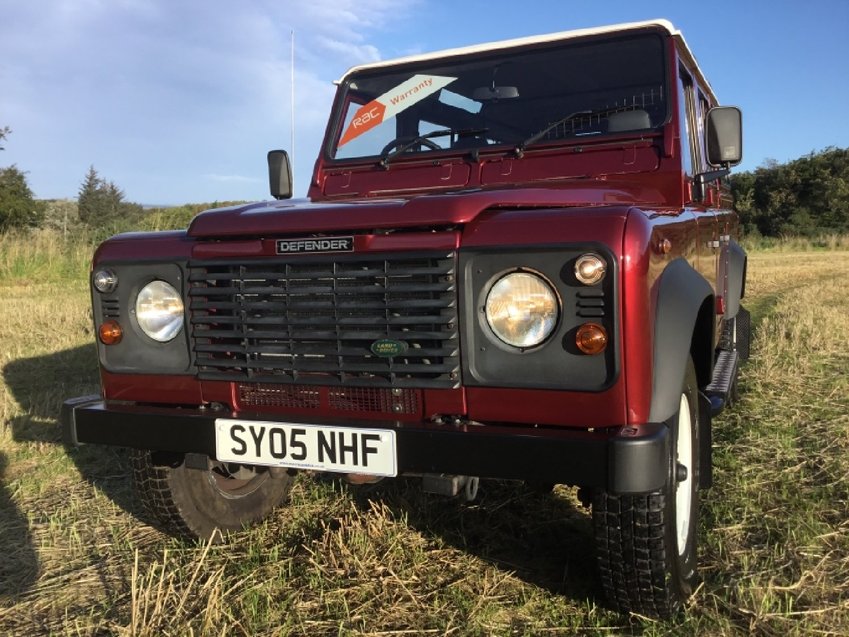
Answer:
(110, 332)
(591, 338)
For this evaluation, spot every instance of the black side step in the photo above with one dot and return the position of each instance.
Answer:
(722, 383)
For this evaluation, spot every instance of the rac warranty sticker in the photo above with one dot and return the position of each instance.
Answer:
(392, 102)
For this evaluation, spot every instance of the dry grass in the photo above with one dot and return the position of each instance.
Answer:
(388, 560)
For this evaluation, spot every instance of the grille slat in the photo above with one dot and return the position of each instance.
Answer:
(325, 321)
(293, 303)
(314, 322)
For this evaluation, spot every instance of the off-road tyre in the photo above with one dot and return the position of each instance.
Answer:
(204, 504)
(646, 565)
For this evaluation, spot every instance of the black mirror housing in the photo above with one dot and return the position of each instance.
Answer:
(279, 174)
(724, 136)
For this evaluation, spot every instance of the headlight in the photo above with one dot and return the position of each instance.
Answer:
(159, 311)
(522, 309)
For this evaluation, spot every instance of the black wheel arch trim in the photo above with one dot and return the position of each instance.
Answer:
(683, 327)
(737, 266)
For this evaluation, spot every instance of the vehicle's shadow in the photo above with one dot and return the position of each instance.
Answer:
(544, 537)
(19, 566)
(39, 385)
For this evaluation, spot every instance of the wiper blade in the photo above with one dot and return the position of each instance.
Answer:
(388, 154)
(533, 139)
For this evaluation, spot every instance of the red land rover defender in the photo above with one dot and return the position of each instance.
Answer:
(517, 260)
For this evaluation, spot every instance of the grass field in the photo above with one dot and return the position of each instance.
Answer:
(388, 560)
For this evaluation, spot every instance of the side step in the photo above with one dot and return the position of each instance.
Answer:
(721, 385)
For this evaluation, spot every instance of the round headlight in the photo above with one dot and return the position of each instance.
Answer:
(159, 311)
(105, 281)
(522, 309)
(590, 268)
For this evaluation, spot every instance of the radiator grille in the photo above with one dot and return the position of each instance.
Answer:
(314, 321)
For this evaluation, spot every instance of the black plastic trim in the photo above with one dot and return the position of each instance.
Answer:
(137, 353)
(556, 363)
(621, 459)
(681, 293)
(737, 260)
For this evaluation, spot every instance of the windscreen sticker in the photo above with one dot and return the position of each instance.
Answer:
(392, 102)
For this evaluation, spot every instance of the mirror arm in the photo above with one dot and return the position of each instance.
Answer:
(702, 179)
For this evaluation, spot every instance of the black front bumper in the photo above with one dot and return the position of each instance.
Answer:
(621, 460)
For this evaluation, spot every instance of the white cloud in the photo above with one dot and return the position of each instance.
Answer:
(159, 94)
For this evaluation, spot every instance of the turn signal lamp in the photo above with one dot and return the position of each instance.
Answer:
(590, 268)
(110, 332)
(591, 338)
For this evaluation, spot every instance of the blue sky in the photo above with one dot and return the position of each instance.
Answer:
(179, 101)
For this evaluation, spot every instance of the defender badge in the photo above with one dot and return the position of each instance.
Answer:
(315, 245)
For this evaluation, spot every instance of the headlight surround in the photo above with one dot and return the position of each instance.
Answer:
(159, 311)
(522, 309)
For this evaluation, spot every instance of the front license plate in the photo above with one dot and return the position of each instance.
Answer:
(317, 447)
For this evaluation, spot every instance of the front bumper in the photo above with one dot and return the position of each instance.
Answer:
(620, 460)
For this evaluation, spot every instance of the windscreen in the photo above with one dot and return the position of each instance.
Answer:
(516, 97)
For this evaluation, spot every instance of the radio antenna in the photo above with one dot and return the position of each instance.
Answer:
(292, 141)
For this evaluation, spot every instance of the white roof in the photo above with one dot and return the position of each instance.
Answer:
(662, 24)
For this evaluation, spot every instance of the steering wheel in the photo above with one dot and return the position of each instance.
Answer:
(398, 142)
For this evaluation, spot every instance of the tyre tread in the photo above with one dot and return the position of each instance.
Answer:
(631, 553)
(154, 493)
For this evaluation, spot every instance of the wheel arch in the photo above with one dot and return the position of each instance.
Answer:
(736, 286)
(684, 320)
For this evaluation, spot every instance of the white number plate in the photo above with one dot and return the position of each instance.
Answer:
(318, 447)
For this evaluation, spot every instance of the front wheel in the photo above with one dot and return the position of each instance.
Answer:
(646, 544)
(194, 503)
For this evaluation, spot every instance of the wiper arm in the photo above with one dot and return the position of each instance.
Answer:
(386, 156)
(533, 139)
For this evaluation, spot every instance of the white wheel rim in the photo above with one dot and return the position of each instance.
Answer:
(683, 489)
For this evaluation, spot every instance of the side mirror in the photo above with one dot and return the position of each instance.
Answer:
(279, 174)
(724, 136)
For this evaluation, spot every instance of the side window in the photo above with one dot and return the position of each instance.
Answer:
(700, 130)
(684, 90)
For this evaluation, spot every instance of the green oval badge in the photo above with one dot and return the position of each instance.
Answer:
(388, 347)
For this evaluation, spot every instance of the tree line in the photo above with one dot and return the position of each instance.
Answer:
(808, 196)
(99, 210)
(99, 202)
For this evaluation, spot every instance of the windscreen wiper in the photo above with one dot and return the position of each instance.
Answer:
(401, 147)
(533, 139)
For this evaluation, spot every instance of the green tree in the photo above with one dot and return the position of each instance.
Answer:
(101, 204)
(18, 208)
(805, 196)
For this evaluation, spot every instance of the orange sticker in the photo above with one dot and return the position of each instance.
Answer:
(366, 118)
